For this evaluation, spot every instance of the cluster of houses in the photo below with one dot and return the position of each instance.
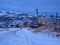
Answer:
(14, 20)
(8, 20)
(36, 22)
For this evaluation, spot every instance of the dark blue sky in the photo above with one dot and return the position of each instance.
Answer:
(28, 5)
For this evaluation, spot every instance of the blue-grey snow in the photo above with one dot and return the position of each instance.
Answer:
(24, 36)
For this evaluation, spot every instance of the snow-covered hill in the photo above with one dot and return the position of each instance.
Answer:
(17, 36)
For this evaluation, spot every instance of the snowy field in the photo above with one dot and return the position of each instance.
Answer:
(17, 36)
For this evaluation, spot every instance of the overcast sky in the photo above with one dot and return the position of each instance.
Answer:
(28, 5)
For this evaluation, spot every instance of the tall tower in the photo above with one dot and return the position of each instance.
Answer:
(37, 15)
(56, 18)
(36, 12)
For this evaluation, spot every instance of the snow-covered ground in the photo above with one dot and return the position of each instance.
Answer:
(17, 36)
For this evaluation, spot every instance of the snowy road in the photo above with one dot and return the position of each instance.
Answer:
(17, 36)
